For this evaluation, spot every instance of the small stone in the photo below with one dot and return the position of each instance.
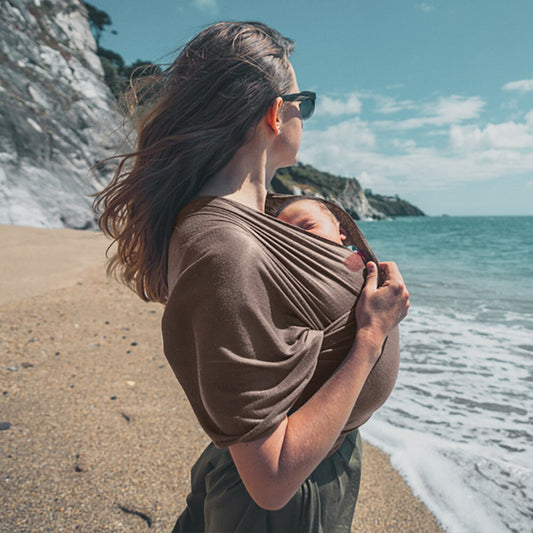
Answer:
(133, 344)
(130, 383)
(26, 365)
(113, 397)
(4, 426)
(12, 368)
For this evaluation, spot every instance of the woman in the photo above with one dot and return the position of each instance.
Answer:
(259, 325)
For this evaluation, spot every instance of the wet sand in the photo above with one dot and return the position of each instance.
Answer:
(96, 434)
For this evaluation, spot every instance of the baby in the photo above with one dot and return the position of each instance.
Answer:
(313, 215)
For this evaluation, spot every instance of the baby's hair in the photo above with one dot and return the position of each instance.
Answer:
(323, 206)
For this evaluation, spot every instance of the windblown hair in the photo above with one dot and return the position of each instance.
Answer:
(190, 121)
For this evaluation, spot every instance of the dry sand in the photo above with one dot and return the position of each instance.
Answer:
(96, 433)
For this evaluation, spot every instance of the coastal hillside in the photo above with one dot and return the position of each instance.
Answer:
(58, 102)
(346, 192)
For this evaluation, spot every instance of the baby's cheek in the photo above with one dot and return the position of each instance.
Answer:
(354, 262)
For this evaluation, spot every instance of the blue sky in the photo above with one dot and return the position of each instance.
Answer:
(431, 100)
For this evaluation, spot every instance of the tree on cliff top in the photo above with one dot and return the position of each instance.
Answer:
(117, 73)
(98, 21)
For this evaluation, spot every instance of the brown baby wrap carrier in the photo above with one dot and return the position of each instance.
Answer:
(260, 314)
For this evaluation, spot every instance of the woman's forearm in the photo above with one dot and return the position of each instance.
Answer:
(273, 468)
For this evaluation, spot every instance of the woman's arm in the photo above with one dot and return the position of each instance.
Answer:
(274, 467)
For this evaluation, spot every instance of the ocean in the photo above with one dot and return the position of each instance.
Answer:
(459, 424)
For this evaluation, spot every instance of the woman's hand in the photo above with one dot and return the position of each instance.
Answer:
(379, 309)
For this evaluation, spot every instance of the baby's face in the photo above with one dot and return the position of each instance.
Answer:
(308, 215)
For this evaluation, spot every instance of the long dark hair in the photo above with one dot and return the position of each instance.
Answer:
(204, 105)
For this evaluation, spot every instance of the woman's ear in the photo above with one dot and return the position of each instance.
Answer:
(273, 116)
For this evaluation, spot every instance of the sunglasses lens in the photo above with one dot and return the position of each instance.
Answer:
(307, 107)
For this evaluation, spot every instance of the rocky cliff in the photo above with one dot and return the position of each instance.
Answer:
(57, 114)
(58, 117)
(346, 192)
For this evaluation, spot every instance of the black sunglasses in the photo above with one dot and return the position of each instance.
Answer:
(307, 102)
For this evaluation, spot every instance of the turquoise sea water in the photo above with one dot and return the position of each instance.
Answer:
(459, 424)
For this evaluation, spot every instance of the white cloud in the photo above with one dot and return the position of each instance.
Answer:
(474, 153)
(522, 86)
(208, 6)
(457, 108)
(349, 133)
(336, 107)
(388, 105)
(506, 135)
(424, 6)
(444, 111)
(404, 144)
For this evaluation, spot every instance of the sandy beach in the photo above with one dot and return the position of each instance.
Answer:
(96, 434)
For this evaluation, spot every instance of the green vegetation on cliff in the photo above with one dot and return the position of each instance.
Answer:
(309, 180)
(392, 206)
(347, 192)
(117, 73)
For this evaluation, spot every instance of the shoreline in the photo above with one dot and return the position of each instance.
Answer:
(100, 434)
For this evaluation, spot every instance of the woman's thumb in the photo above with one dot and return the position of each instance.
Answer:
(371, 275)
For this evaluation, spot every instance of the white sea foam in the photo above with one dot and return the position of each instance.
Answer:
(435, 479)
(458, 424)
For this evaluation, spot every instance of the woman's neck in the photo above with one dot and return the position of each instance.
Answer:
(244, 179)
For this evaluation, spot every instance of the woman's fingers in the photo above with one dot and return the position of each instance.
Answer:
(371, 275)
(391, 271)
(382, 308)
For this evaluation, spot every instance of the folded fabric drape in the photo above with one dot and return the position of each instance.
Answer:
(260, 314)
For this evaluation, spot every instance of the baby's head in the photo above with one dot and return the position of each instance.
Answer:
(313, 215)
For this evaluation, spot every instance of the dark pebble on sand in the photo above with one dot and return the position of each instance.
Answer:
(133, 344)
(4, 426)
(113, 397)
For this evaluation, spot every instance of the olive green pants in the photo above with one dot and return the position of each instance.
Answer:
(325, 503)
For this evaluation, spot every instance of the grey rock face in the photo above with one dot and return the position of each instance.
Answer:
(345, 192)
(58, 116)
(355, 202)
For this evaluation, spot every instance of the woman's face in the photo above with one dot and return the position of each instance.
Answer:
(291, 126)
